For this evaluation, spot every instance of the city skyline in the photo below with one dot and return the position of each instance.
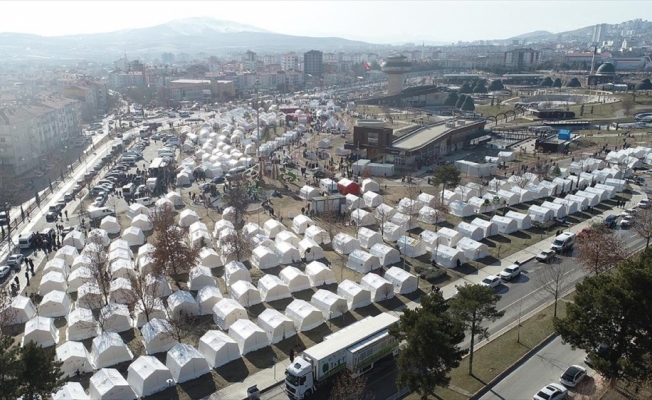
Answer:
(490, 20)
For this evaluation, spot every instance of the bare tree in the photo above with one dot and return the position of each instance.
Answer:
(441, 210)
(349, 387)
(145, 294)
(331, 218)
(599, 249)
(238, 198)
(412, 211)
(643, 224)
(386, 291)
(182, 325)
(236, 245)
(553, 280)
(382, 214)
(8, 314)
(520, 180)
(628, 105)
(98, 265)
(174, 254)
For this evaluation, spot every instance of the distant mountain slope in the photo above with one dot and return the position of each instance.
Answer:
(530, 35)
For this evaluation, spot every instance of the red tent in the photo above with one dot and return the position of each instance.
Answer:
(347, 186)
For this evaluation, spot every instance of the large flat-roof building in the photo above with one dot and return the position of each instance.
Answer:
(521, 58)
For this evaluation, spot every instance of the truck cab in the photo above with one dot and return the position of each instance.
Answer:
(298, 379)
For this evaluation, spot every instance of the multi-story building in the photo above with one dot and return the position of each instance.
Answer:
(599, 33)
(91, 95)
(119, 80)
(313, 63)
(521, 58)
(249, 61)
(290, 62)
(193, 90)
(167, 58)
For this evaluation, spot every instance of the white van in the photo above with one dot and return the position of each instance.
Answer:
(100, 212)
(563, 242)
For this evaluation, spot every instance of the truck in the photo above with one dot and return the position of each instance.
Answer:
(355, 348)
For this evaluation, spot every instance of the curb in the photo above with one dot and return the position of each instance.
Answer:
(513, 367)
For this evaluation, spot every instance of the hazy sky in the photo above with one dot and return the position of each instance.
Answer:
(379, 22)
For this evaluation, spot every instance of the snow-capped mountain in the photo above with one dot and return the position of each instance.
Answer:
(201, 25)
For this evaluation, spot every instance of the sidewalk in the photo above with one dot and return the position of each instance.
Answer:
(266, 378)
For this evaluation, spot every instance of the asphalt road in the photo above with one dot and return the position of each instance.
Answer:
(544, 367)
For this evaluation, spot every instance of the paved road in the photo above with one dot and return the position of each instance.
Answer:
(542, 368)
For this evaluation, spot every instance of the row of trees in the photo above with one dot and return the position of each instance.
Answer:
(462, 101)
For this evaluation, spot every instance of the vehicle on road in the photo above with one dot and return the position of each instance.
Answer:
(546, 256)
(572, 376)
(627, 221)
(99, 212)
(218, 180)
(563, 242)
(51, 217)
(510, 272)
(610, 221)
(552, 391)
(68, 196)
(4, 271)
(26, 241)
(15, 260)
(355, 348)
(49, 232)
(644, 203)
(491, 281)
(146, 201)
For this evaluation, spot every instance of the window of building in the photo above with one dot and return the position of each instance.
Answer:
(372, 138)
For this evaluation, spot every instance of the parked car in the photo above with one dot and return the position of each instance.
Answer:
(546, 256)
(626, 222)
(146, 201)
(611, 221)
(510, 272)
(572, 376)
(15, 260)
(552, 391)
(218, 180)
(4, 271)
(51, 217)
(644, 203)
(491, 281)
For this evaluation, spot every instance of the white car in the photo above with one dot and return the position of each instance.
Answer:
(5, 270)
(510, 272)
(627, 221)
(491, 281)
(146, 201)
(572, 376)
(552, 391)
(645, 203)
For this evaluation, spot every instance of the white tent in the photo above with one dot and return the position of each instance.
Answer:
(287, 237)
(272, 288)
(230, 214)
(121, 291)
(429, 215)
(67, 254)
(308, 192)
(472, 249)
(403, 281)
(523, 221)
(448, 256)
(593, 198)
(89, 296)
(163, 204)
(186, 363)
(220, 226)
(157, 286)
(59, 265)
(55, 304)
(182, 302)
(134, 236)
(115, 318)
(155, 308)
(363, 262)
(408, 206)
(603, 194)
(19, 311)
(218, 348)
(570, 207)
(108, 349)
(122, 268)
(294, 279)
(449, 237)
(430, 239)
(209, 258)
(287, 254)
(277, 326)
(300, 223)
(250, 229)
(200, 277)
(245, 293)
(404, 221)
(353, 202)
(187, 217)
(108, 384)
(81, 325)
(370, 185)
(505, 225)
(319, 274)
(450, 196)
(355, 295)
(619, 184)
(361, 217)
(52, 281)
(317, 234)
(81, 261)
(540, 214)
(158, 336)
(386, 255)
(368, 238)
(248, 336)
(182, 179)
(460, 209)
(120, 245)
(411, 247)
(309, 250)
(272, 228)
(391, 232)
(427, 199)
(147, 375)
(236, 271)
(508, 197)
(345, 244)
(565, 185)
(470, 231)
(379, 287)
(226, 312)
(330, 304)
(582, 202)
(75, 239)
(143, 222)
(384, 212)
(372, 199)
(145, 250)
(609, 189)
(137, 209)
(489, 228)
(175, 198)
(71, 391)
(304, 315)
(207, 297)
(496, 184)
(41, 331)
(559, 210)
(74, 357)
(481, 204)
(264, 258)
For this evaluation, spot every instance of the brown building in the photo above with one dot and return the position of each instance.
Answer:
(373, 136)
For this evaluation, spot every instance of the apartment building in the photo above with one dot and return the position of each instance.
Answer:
(313, 63)
(521, 58)
(290, 62)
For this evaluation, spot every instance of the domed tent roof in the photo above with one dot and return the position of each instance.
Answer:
(606, 69)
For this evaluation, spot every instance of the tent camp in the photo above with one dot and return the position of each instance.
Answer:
(287, 237)
(558, 210)
(472, 249)
(408, 206)
(496, 184)
(387, 255)
(218, 348)
(384, 213)
(143, 222)
(134, 236)
(209, 258)
(347, 186)
(450, 196)
(276, 326)
(470, 231)
(108, 349)
(489, 228)
(570, 207)
(115, 318)
(403, 281)
(372, 199)
(505, 225)
(262, 240)
(121, 268)
(619, 184)
(75, 239)
(154, 307)
(248, 336)
(368, 238)
(430, 238)
(207, 297)
(175, 198)
(108, 384)
(354, 294)
(272, 288)
(19, 311)
(370, 185)
(319, 274)
(226, 312)
(361, 217)
(236, 271)
(59, 265)
(308, 192)
(41, 331)
(272, 228)
(121, 291)
(448, 257)
(245, 293)
(263, 258)
(294, 279)
(582, 202)
(81, 325)
(158, 336)
(602, 194)
(430, 215)
(157, 286)
(427, 199)
(330, 304)
(345, 244)
(89, 296)
(55, 304)
(379, 287)
(404, 221)
(363, 262)
(186, 363)
(52, 281)
(182, 301)
(449, 237)
(304, 315)
(147, 375)
(287, 254)
(317, 234)
(508, 197)
(309, 250)
(411, 247)
(540, 214)
(220, 226)
(391, 232)
(481, 205)
(523, 194)
(74, 357)
(250, 229)
(200, 277)
(353, 202)
(67, 254)
(300, 223)
(523, 221)
(120, 245)
(609, 189)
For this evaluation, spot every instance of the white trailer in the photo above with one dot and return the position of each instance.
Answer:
(355, 348)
